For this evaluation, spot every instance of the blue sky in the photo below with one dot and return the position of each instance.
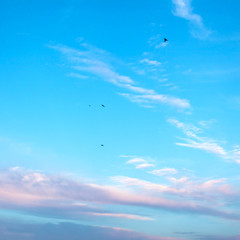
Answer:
(169, 167)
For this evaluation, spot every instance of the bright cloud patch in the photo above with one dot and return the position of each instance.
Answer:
(140, 163)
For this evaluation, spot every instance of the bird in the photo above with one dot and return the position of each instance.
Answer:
(103, 105)
(165, 40)
(89, 105)
(102, 145)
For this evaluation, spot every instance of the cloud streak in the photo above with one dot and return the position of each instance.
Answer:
(92, 61)
(194, 140)
(122, 215)
(140, 163)
(150, 62)
(183, 9)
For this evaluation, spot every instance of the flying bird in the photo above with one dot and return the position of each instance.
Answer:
(102, 145)
(165, 40)
(103, 105)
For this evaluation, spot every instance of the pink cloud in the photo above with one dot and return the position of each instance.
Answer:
(122, 215)
(44, 191)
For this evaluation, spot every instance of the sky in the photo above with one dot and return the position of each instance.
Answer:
(110, 132)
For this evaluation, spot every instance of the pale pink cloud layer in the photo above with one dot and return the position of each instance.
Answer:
(32, 190)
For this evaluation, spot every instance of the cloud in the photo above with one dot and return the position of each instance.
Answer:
(122, 215)
(164, 171)
(145, 165)
(188, 129)
(157, 41)
(161, 45)
(76, 75)
(184, 188)
(56, 196)
(140, 163)
(136, 160)
(158, 98)
(150, 62)
(194, 140)
(205, 145)
(53, 196)
(65, 230)
(207, 124)
(142, 184)
(184, 10)
(235, 154)
(91, 61)
(178, 180)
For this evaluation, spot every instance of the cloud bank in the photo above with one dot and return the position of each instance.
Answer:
(56, 196)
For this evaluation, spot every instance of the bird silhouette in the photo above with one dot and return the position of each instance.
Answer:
(165, 40)
(102, 145)
(103, 105)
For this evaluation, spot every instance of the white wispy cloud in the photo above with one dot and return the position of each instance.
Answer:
(77, 75)
(157, 98)
(139, 89)
(161, 45)
(145, 165)
(235, 154)
(184, 10)
(204, 144)
(207, 124)
(150, 62)
(93, 61)
(140, 163)
(164, 171)
(194, 140)
(157, 41)
(136, 160)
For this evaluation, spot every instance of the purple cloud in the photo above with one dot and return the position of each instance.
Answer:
(32, 191)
